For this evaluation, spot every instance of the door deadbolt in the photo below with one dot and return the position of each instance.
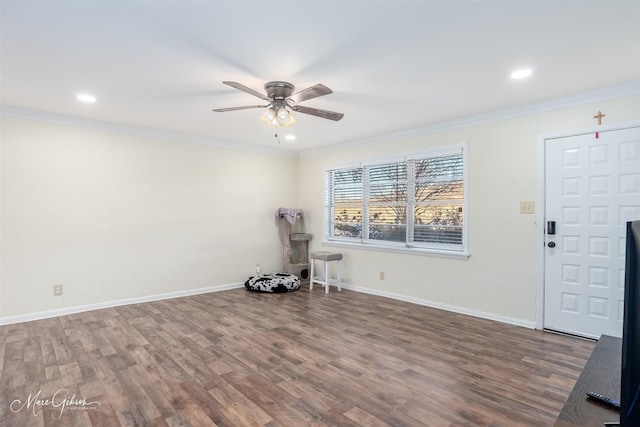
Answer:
(551, 227)
(551, 244)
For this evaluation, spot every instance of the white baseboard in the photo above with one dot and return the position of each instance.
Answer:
(9, 320)
(137, 300)
(448, 307)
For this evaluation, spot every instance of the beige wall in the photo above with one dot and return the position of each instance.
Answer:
(113, 216)
(500, 276)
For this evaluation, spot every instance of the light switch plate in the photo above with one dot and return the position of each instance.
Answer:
(526, 207)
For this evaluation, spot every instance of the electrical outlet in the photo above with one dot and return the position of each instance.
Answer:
(57, 290)
(382, 275)
(258, 269)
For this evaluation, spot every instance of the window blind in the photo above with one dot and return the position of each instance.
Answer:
(417, 202)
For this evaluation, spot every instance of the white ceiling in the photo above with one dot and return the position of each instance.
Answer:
(392, 65)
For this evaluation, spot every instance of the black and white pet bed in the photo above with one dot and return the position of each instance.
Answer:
(275, 282)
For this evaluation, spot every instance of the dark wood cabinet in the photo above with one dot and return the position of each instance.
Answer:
(601, 374)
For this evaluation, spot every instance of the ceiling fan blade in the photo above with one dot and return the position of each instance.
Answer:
(222, 110)
(311, 92)
(243, 88)
(325, 114)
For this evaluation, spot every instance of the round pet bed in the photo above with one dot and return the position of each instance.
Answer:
(275, 282)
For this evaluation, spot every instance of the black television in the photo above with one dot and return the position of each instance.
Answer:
(630, 379)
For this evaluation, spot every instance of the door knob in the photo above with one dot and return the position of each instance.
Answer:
(551, 244)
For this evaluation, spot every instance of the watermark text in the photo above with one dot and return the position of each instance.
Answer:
(61, 400)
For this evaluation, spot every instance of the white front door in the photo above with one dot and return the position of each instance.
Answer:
(592, 189)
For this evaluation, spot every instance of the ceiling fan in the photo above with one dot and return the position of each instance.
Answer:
(282, 101)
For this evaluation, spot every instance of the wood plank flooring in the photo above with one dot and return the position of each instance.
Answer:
(236, 358)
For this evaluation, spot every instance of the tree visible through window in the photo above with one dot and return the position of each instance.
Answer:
(416, 202)
(387, 202)
(347, 202)
(439, 197)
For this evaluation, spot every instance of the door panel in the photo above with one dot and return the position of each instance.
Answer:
(592, 190)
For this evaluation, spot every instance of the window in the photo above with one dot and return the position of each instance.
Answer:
(416, 202)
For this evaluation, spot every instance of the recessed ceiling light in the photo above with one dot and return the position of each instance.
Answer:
(290, 137)
(86, 97)
(521, 74)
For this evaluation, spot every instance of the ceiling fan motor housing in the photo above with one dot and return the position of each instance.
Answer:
(279, 90)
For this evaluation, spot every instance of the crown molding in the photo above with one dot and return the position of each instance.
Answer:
(61, 119)
(612, 92)
(602, 94)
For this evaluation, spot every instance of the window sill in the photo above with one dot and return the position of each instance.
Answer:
(397, 249)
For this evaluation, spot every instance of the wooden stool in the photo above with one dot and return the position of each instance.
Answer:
(324, 280)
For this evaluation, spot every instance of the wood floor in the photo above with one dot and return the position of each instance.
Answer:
(236, 358)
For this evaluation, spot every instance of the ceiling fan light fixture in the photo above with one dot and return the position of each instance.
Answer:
(277, 118)
(283, 113)
(285, 118)
(291, 121)
(269, 118)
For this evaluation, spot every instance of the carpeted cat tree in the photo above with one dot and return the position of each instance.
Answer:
(295, 242)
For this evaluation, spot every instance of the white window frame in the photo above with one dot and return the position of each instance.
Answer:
(408, 246)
